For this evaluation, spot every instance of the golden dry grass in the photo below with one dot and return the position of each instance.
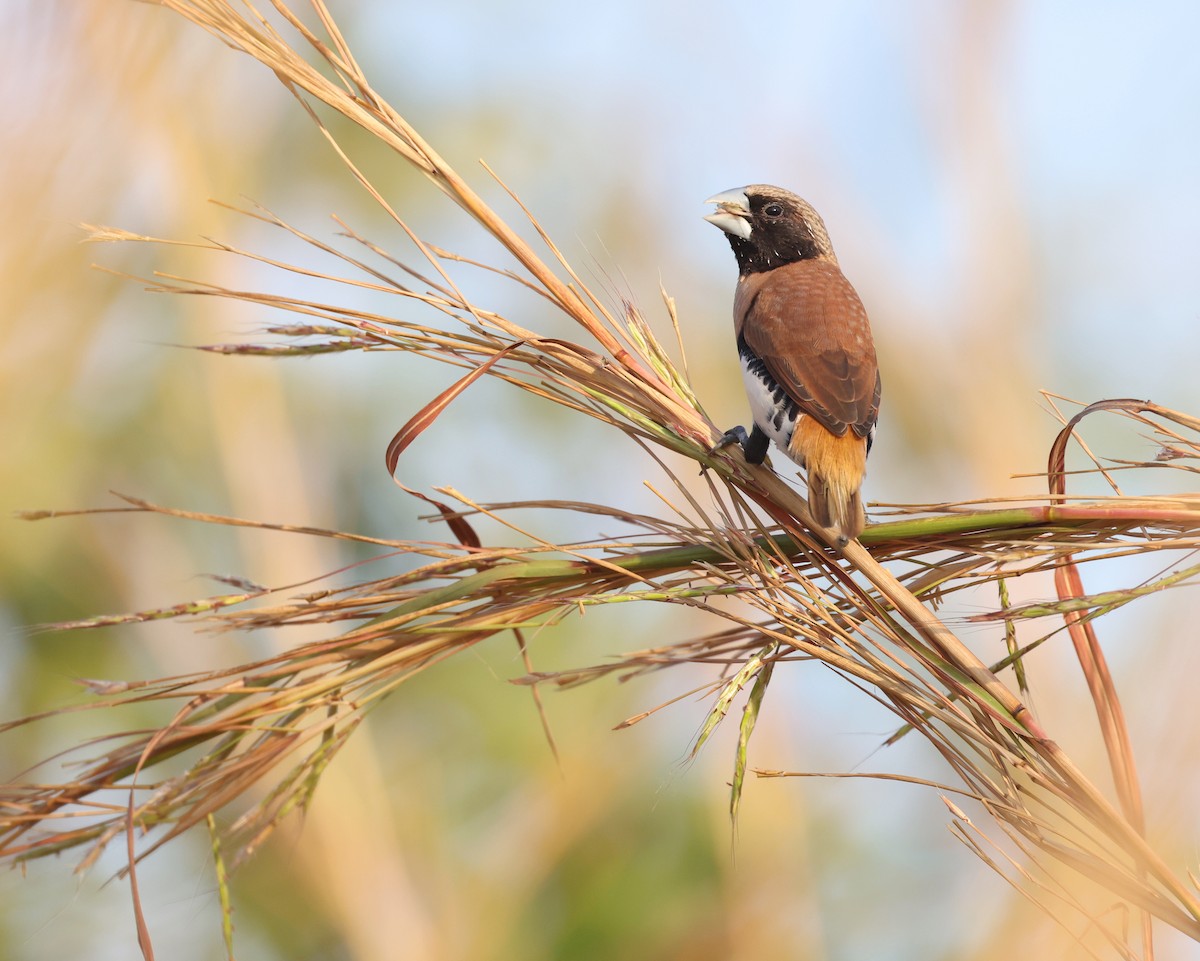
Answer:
(866, 612)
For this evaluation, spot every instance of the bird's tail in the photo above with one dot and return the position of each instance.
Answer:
(836, 467)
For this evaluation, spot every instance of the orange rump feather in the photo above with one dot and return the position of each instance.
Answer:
(836, 467)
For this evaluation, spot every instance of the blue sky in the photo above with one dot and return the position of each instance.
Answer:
(876, 111)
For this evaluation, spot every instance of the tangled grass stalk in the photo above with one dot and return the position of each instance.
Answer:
(865, 612)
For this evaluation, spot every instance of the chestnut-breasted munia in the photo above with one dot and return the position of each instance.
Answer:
(808, 360)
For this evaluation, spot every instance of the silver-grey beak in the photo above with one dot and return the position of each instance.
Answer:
(733, 212)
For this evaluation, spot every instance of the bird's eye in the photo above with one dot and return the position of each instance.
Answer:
(773, 210)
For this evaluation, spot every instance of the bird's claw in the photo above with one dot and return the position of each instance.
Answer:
(735, 435)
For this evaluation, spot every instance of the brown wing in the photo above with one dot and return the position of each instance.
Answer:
(809, 327)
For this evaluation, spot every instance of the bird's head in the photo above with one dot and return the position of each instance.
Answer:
(769, 226)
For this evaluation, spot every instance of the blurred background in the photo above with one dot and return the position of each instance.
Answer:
(1013, 188)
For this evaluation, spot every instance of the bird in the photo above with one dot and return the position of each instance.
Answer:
(807, 355)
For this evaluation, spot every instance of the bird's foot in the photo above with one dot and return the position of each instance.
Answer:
(735, 435)
(754, 445)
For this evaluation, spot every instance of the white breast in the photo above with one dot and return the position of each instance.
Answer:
(774, 412)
